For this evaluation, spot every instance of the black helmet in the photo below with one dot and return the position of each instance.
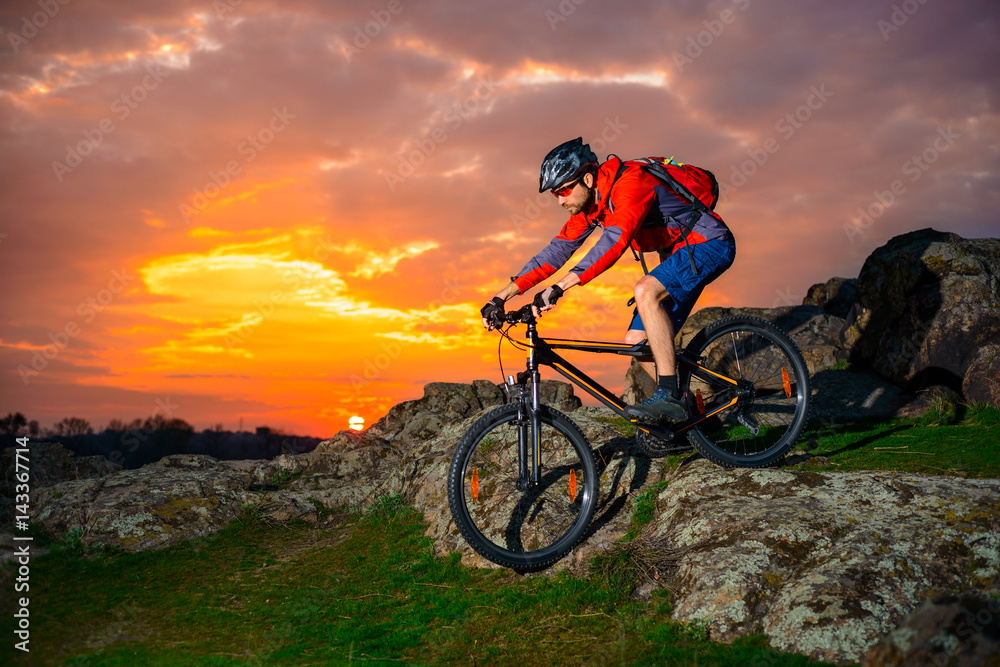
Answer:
(564, 163)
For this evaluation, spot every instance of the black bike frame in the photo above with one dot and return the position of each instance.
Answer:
(541, 352)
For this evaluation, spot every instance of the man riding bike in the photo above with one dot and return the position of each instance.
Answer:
(635, 209)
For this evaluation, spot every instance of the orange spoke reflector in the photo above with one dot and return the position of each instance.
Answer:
(699, 401)
(572, 484)
(786, 383)
(475, 484)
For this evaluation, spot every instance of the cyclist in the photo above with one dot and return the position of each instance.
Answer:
(633, 208)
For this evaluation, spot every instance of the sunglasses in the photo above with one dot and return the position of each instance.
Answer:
(564, 190)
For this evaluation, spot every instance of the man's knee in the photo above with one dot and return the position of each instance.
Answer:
(649, 291)
(633, 336)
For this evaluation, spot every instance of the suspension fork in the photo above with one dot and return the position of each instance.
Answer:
(529, 425)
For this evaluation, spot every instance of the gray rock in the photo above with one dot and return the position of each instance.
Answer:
(927, 301)
(160, 504)
(946, 630)
(52, 463)
(639, 385)
(836, 296)
(824, 563)
(447, 401)
(559, 395)
(981, 383)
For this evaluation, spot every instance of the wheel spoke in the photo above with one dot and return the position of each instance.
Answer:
(515, 521)
(771, 410)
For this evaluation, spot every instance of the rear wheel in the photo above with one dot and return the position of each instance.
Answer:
(756, 422)
(503, 516)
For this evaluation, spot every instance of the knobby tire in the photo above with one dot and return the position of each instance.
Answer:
(522, 528)
(758, 352)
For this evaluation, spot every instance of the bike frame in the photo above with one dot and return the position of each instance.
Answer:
(542, 352)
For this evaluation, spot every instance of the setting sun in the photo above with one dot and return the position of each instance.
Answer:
(357, 423)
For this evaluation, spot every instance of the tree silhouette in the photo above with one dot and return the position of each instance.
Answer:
(13, 423)
(71, 426)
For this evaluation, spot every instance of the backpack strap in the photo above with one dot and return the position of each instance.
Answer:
(621, 170)
(698, 205)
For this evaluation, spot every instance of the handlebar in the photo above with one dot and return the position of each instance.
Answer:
(522, 315)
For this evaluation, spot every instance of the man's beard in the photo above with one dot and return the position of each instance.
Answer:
(580, 206)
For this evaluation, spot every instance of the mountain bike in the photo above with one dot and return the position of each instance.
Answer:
(523, 484)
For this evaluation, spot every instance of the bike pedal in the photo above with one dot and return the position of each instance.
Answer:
(663, 434)
(749, 421)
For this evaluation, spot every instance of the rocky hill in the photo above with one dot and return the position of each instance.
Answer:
(831, 565)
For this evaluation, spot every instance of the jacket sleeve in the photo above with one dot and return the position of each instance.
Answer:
(632, 198)
(555, 254)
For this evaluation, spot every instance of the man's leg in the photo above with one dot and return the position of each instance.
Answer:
(676, 278)
(633, 336)
(665, 402)
(649, 293)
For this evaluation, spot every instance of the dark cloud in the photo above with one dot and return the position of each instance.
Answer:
(430, 127)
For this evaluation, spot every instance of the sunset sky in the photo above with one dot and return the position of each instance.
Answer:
(289, 213)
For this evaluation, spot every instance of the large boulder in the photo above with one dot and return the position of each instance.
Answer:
(824, 563)
(927, 301)
(639, 385)
(51, 463)
(47, 463)
(442, 403)
(175, 499)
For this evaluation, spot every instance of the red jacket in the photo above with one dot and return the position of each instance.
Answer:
(640, 203)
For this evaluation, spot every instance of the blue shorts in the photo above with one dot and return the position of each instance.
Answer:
(683, 285)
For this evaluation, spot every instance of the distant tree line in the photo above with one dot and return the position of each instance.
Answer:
(143, 441)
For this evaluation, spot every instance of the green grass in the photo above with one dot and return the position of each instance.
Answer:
(365, 587)
(361, 588)
(951, 440)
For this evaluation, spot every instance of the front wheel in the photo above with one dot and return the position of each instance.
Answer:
(502, 514)
(757, 421)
